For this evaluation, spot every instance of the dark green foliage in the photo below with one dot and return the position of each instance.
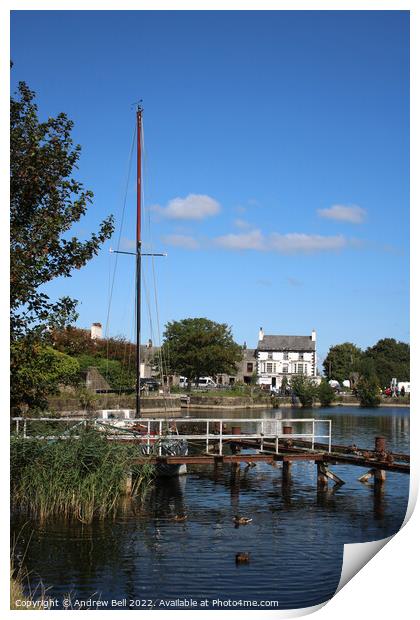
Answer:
(305, 389)
(199, 347)
(45, 203)
(342, 360)
(78, 478)
(390, 358)
(368, 392)
(37, 371)
(114, 372)
(325, 393)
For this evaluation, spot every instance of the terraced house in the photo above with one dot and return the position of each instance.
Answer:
(285, 356)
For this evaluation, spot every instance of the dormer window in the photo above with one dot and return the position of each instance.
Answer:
(270, 356)
(285, 355)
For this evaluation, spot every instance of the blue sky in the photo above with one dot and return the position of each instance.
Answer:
(276, 162)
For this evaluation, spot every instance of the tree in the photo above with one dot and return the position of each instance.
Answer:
(368, 392)
(326, 393)
(305, 389)
(390, 358)
(45, 202)
(199, 347)
(341, 361)
(39, 375)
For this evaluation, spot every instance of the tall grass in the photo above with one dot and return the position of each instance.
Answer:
(80, 478)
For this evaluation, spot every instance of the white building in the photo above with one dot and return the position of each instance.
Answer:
(285, 356)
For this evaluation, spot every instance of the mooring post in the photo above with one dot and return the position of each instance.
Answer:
(322, 478)
(380, 449)
(287, 473)
(287, 430)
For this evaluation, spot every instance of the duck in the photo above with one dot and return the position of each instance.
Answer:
(241, 520)
(182, 517)
(242, 558)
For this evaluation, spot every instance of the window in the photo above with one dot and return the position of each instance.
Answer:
(269, 367)
(249, 367)
(269, 356)
(285, 369)
(285, 355)
(300, 369)
(301, 356)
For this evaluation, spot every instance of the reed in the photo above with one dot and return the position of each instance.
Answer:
(79, 477)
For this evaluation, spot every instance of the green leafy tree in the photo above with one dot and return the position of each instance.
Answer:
(39, 375)
(284, 385)
(390, 358)
(45, 203)
(326, 393)
(305, 389)
(368, 392)
(199, 347)
(341, 361)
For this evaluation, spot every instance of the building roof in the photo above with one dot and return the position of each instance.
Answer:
(286, 343)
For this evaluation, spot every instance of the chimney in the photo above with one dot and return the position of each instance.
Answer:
(149, 343)
(313, 335)
(261, 334)
(96, 331)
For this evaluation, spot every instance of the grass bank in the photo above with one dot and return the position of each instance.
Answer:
(79, 478)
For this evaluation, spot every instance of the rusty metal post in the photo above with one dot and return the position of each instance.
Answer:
(379, 476)
(322, 478)
(236, 430)
(287, 430)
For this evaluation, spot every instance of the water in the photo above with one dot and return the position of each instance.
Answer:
(295, 540)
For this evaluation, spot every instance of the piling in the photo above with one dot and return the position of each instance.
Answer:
(287, 430)
(322, 478)
(236, 430)
(287, 473)
(380, 449)
(380, 444)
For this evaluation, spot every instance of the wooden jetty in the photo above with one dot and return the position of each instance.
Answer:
(221, 441)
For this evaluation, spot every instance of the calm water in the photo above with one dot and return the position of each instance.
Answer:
(295, 540)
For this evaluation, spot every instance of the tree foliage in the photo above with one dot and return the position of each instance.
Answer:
(199, 347)
(342, 360)
(368, 392)
(390, 358)
(38, 372)
(305, 389)
(45, 203)
(325, 393)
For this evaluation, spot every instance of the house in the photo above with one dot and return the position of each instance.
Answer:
(285, 356)
(246, 369)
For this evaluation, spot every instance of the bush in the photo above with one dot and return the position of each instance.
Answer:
(305, 389)
(368, 392)
(326, 393)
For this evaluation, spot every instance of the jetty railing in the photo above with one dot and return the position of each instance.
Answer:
(149, 430)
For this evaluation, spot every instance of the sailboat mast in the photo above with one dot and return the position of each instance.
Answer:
(138, 260)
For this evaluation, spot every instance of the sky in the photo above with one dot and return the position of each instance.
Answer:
(276, 164)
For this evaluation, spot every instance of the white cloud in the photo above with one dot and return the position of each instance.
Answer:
(285, 244)
(292, 243)
(192, 207)
(353, 214)
(240, 223)
(181, 241)
(252, 240)
(300, 242)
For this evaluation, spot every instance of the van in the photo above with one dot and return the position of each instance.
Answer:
(206, 382)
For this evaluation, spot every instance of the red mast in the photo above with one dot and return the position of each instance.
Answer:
(138, 260)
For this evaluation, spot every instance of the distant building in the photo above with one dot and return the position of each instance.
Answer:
(96, 331)
(246, 368)
(285, 356)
